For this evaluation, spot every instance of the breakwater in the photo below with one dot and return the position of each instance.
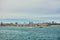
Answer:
(10, 24)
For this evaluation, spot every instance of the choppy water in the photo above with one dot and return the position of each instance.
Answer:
(30, 33)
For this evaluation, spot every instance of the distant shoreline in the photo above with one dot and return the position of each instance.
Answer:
(37, 24)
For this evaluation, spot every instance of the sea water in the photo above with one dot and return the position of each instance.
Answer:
(29, 33)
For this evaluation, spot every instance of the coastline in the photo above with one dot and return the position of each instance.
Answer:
(37, 24)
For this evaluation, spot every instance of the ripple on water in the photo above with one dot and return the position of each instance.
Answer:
(33, 33)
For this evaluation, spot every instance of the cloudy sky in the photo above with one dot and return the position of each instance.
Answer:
(29, 8)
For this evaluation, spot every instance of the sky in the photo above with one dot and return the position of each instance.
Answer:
(29, 8)
(37, 9)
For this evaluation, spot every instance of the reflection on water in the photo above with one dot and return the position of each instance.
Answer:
(30, 33)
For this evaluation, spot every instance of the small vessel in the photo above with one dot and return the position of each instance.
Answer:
(41, 27)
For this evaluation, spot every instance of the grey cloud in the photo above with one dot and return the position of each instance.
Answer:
(31, 6)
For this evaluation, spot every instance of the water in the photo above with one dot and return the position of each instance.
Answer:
(30, 33)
